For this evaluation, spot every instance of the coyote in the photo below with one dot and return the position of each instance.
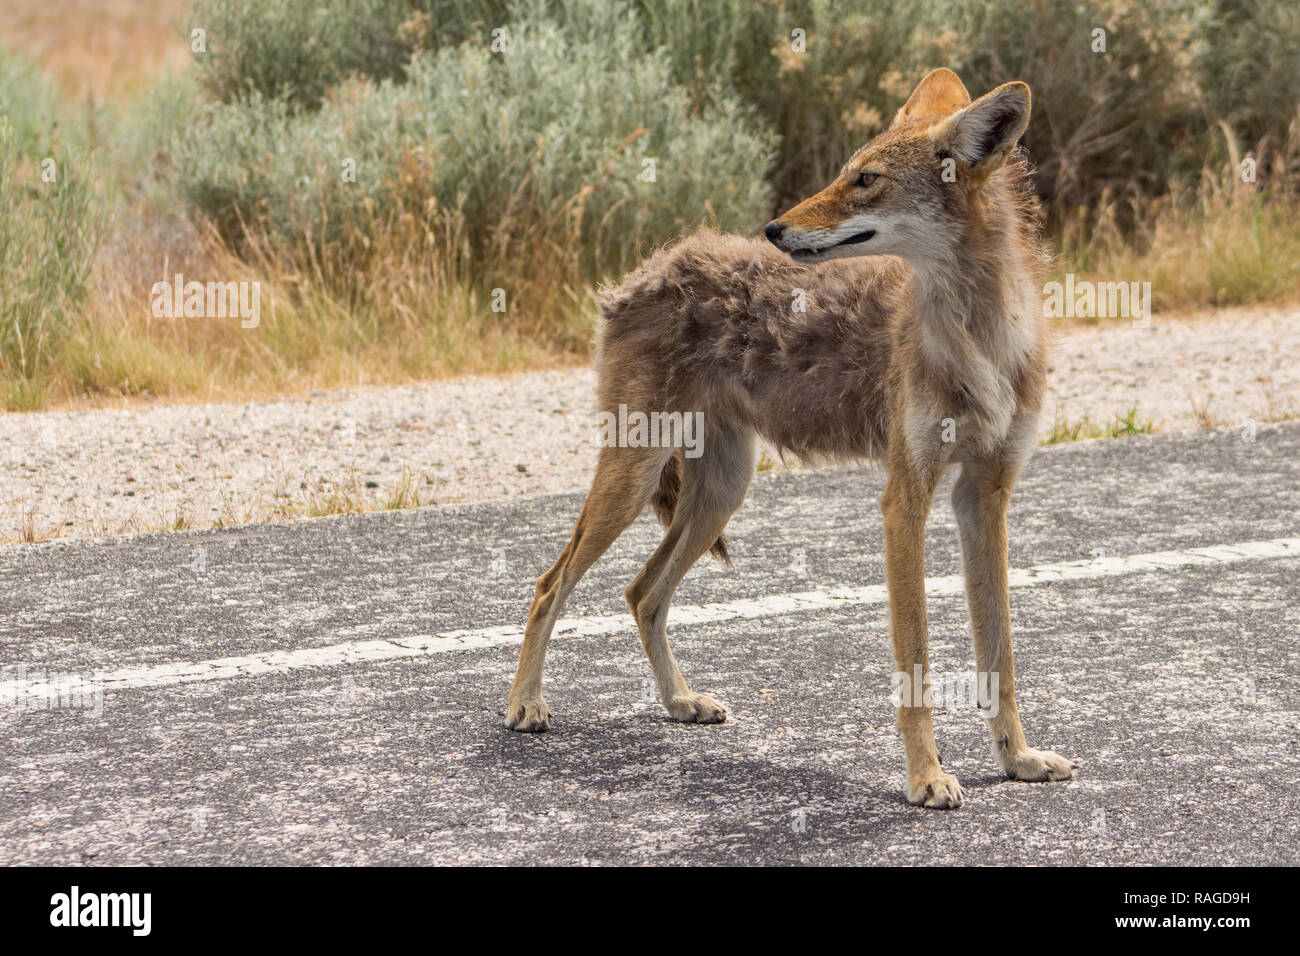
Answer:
(926, 348)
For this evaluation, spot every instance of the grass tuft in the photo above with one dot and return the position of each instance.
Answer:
(1120, 426)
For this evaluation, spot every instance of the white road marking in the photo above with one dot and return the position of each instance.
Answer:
(772, 605)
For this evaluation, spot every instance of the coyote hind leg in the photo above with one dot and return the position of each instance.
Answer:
(624, 481)
(713, 487)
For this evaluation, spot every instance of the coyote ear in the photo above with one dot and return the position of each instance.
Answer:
(940, 94)
(984, 133)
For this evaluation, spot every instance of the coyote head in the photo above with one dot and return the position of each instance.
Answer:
(910, 190)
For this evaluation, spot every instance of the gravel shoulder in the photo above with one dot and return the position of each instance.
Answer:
(145, 467)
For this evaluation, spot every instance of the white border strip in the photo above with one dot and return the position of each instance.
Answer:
(772, 605)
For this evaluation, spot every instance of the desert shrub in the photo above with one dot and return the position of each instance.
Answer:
(442, 23)
(1247, 57)
(1108, 127)
(500, 156)
(299, 49)
(296, 49)
(1106, 124)
(1103, 123)
(142, 141)
(825, 90)
(38, 123)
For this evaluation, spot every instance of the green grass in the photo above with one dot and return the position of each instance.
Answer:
(1120, 426)
(49, 232)
(405, 495)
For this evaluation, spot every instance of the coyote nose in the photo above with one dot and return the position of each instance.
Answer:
(773, 230)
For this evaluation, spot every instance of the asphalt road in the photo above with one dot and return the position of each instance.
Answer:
(333, 691)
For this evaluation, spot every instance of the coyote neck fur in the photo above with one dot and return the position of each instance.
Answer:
(973, 317)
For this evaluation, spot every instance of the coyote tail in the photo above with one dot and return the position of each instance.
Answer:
(664, 502)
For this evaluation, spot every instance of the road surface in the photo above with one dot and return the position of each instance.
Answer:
(332, 691)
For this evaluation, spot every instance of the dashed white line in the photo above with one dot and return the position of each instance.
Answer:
(359, 652)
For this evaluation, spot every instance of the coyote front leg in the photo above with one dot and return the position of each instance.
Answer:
(906, 503)
(980, 499)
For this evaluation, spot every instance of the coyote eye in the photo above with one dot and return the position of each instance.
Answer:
(866, 179)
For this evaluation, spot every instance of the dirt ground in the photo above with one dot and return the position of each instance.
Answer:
(144, 467)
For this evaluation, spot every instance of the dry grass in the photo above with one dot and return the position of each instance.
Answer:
(417, 323)
(348, 494)
(352, 495)
(1218, 252)
(419, 319)
(413, 322)
(97, 50)
(1224, 241)
(1278, 408)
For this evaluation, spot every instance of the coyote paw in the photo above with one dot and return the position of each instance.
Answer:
(696, 709)
(1038, 765)
(939, 791)
(529, 716)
